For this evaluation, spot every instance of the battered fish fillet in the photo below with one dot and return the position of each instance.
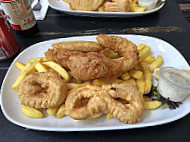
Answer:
(105, 99)
(84, 66)
(117, 6)
(92, 65)
(87, 5)
(42, 90)
(84, 46)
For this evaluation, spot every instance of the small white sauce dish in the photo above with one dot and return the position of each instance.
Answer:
(174, 84)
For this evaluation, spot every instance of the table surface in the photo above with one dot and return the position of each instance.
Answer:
(185, 7)
(168, 24)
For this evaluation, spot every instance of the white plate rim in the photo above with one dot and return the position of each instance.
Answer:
(186, 112)
(106, 14)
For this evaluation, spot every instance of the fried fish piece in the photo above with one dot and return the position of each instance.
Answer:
(86, 5)
(84, 66)
(84, 46)
(93, 65)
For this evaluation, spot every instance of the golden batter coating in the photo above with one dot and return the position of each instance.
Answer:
(92, 65)
(84, 46)
(42, 90)
(123, 101)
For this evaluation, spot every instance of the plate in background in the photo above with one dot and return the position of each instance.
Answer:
(60, 5)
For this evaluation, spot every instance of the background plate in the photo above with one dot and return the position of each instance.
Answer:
(64, 7)
(11, 107)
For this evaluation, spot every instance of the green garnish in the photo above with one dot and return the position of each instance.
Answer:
(166, 103)
(164, 106)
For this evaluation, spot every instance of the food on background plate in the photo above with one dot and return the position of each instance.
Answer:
(114, 5)
(92, 65)
(87, 5)
(133, 77)
(106, 99)
(134, 7)
(148, 4)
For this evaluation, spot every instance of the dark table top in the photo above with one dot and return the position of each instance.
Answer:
(185, 7)
(168, 24)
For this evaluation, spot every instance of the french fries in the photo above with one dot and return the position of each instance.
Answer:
(74, 85)
(110, 81)
(20, 65)
(101, 9)
(27, 69)
(144, 53)
(17, 81)
(52, 111)
(31, 112)
(141, 85)
(99, 82)
(103, 81)
(136, 74)
(30, 67)
(95, 116)
(157, 63)
(43, 59)
(149, 104)
(147, 77)
(128, 81)
(141, 47)
(109, 116)
(58, 68)
(40, 68)
(61, 111)
(149, 59)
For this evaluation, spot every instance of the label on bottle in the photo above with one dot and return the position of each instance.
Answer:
(19, 14)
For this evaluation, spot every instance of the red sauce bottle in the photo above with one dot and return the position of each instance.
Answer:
(8, 43)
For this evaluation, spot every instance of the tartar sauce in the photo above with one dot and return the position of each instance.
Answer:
(148, 4)
(174, 84)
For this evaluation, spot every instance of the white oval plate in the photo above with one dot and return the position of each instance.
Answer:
(64, 7)
(11, 107)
